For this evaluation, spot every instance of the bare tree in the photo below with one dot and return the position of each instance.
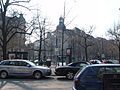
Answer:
(115, 35)
(87, 39)
(9, 26)
(42, 26)
(83, 39)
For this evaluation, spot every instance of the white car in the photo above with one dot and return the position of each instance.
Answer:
(22, 68)
(95, 61)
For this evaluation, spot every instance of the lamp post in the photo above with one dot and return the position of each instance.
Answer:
(63, 29)
(62, 45)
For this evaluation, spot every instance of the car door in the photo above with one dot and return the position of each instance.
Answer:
(24, 68)
(90, 80)
(12, 67)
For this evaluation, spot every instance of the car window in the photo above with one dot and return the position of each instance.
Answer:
(108, 70)
(91, 71)
(13, 63)
(71, 64)
(89, 74)
(22, 63)
(80, 65)
(4, 63)
(77, 64)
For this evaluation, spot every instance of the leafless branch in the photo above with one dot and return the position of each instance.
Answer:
(22, 6)
(21, 1)
(71, 21)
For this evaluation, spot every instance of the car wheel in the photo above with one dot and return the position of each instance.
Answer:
(3, 74)
(37, 75)
(70, 75)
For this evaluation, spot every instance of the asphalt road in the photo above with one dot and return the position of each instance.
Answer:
(47, 83)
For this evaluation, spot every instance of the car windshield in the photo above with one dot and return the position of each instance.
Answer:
(71, 64)
(77, 64)
(31, 63)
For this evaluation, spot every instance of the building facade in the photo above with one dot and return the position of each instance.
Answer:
(62, 44)
(66, 43)
(72, 45)
(14, 24)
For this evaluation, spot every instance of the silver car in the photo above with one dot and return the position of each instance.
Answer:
(22, 68)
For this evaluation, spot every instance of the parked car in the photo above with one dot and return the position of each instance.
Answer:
(70, 70)
(91, 77)
(22, 68)
(37, 62)
(114, 61)
(110, 61)
(60, 63)
(95, 61)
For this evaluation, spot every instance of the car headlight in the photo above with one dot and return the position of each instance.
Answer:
(48, 70)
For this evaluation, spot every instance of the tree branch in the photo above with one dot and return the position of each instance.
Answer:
(10, 37)
(21, 6)
(1, 39)
(1, 45)
(27, 1)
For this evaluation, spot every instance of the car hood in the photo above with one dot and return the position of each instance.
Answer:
(42, 67)
(63, 66)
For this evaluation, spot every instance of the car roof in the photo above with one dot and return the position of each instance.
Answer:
(99, 65)
(15, 60)
(79, 62)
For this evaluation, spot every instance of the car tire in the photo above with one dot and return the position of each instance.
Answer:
(37, 75)
(70, 75)
(3, 74)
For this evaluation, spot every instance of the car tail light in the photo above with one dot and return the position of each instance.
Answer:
(76, 82)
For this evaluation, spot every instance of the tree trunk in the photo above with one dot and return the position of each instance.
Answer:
(86, 49)
(39, 55)
(4, 49)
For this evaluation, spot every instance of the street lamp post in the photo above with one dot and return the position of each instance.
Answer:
(62, 45)
(63, 29)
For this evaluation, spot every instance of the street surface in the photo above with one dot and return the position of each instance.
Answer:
(47, 83)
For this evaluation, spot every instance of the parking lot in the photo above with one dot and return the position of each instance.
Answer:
(51, 82)
(47, 83)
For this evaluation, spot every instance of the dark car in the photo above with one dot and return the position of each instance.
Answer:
(92, 77)
(70, 70)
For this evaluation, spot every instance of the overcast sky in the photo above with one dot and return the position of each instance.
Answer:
(100, 13)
